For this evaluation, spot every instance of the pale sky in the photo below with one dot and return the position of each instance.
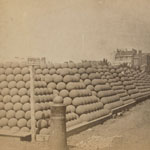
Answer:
(63, 30)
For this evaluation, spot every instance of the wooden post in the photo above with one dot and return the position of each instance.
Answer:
(32, 103)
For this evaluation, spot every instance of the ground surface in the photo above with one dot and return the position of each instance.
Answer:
(128, 132)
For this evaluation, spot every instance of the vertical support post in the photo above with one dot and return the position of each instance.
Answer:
(32, 103)
(58, 140)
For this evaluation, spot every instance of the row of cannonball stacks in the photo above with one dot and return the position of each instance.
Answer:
(122, 81)
(142, 82)
(109, 96)
(129, 91)
(97, 81)
(123, 84)
(115, 91)
(146, 80)
(131, 87)
(15, 97)
(116, 84)
(92, 79)
(88, 91)
(60, 79)
(43, 96)
(68, 81)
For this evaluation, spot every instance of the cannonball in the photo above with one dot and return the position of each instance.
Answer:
(7, 98)
(26, 77)
(25, 99)
(13, 91)
(3, 84)
(38, 115)
(25, 70)
(8, 71)
(27, 85)
(1, 98)
(42, 123)
(2, 113)
(22, 91)
(3, 122)
(17, 71)
(17, 106)
(44, 131)
(58, 99)
(12, 84)
(25, 129)
(8, 106)
(26, 107)
(1, 105)
(10, 114)
(18, 77)
(15, 99)
(22, 122)
(10, 77)
(28, 115)
(20, 84)
(19, 114)
(15, 129)
(12, 122)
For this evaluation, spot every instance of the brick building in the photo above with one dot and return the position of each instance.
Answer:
(146, 62)
(133, 58)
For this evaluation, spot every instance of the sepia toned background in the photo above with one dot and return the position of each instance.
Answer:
(63, 30)
(75, 30)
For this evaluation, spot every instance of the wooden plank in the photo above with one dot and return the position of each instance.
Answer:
(32, 103)
(142, 98)
(119, 109)
(84, 126)
(14, 133)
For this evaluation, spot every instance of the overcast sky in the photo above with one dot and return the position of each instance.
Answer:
(63, 30)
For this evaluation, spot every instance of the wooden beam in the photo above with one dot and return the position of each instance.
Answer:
(32, 103)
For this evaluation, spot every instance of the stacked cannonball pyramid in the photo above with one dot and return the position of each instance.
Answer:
(138, 82)
(117, 86)
(64, 81)
(119, 83)
(130, 86)
(14, 96)
(108, 96)
(43, 99)
(143, 83)
(88, 74)
(103, 88)
(147, 84)
(67, 80)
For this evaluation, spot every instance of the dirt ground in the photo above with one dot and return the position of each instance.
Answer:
(128, 132)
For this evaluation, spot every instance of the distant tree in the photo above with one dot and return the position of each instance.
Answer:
(105, 62)
(124, 65)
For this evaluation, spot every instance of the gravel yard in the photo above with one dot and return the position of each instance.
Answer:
(128, 132)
